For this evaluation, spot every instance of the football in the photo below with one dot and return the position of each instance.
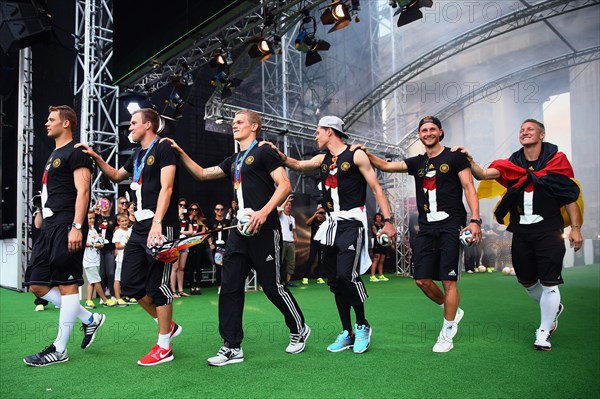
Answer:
(481, 269)
(243, 226)
(384, 240)
(506, 271)
(466, 238)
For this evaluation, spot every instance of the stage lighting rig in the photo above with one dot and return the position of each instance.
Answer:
(307, 42)
(223, 84)
(409, 10)
(339, 14)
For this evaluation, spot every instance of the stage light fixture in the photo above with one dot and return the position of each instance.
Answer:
(261, 49)
(221, 59)
(336, 14)
(223, 84)
(307, 42)
(409, 10)
(133, 101)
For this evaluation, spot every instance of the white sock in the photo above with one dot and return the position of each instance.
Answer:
(85, 315)
(535, 291)
(53, 296)
(549, 306)
(442, 306)
(68, 314)
(447, 328)
(164, 340)
(156, 320)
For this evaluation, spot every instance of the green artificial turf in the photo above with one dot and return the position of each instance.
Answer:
(492, 355)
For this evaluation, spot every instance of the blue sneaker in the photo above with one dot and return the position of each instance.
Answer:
(362, 338)
(342, 342)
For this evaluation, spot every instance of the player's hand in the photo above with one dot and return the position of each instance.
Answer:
(463, 150)
(174, 145)
(75, 240)
(388, 229)
(475, 230)
(355, 147)
(87, 150)
(155, 237)
(257, 219)
(576, 239)
(264, 142)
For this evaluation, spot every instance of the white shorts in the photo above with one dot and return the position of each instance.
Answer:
(118, 271)
(92, 274)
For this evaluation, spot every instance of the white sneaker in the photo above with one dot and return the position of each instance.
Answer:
(457, 318)
(226, 356)
(542, 340)
(39, 308)
(444, 342)
(298, 341)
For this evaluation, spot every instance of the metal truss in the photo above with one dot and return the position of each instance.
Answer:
(99, 114)
(303, 130)
(512, 21)
(24, 162)
(236, 33)
(491, 88)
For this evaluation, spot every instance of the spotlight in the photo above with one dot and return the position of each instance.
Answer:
(262, 49)
(175, 101)
(308, 43)
(336, 14)
(221, 59)
(132, 101)
(223, 84)
(409, 10)
(166, 126)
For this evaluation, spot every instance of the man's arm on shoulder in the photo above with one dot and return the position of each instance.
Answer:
(362, 161)
(478, 172)
(295, 164)
(197, 171)
(396, 166)
(111, 173)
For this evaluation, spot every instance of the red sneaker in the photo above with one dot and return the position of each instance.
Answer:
(156, 356)
(176, 329)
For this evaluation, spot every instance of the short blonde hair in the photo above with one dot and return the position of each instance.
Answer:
(253, 117)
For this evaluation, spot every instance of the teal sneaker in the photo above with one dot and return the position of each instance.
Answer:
(342, 342)
(362, 338)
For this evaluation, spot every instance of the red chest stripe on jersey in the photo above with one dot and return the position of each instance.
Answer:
(429, 183)
(45, 177)
(331, 181)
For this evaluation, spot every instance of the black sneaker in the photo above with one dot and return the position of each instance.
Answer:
(90, 330)
(46, 357)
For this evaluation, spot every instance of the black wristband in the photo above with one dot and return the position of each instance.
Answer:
(478, 221)
(389, 220)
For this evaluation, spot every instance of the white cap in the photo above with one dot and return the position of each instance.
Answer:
(335, 123)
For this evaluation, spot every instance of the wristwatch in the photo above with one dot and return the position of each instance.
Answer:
(76, 225)
(478, 221)
(389, 220)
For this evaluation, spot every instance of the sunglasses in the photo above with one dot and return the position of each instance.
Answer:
(182, 205)
(123, 202)
(219, 209)
(320, 213)
(194, 209)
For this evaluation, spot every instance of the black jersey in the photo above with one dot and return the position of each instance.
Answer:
(342, 184)
(219, 237)
(105, 226)
(256, 185)
(438, 188)
(58, 185)
(160, 156)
